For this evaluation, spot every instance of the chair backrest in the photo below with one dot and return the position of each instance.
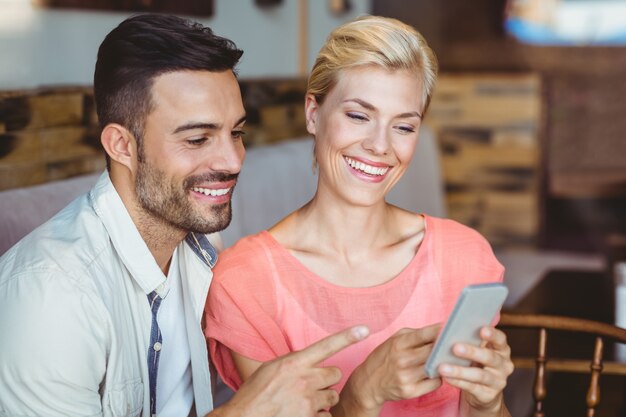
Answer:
(595, 365)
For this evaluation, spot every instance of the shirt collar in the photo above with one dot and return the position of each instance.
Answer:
(128, 243)
(203, 248)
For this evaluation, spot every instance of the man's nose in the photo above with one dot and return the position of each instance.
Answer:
(228, 156)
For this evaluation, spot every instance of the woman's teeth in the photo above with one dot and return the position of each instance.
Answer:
(368, 169)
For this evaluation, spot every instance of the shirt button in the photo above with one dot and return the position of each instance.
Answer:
(156, 347)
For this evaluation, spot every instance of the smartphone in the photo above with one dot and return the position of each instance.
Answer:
(476, 307)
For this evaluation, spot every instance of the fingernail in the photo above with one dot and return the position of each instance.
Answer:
(460, 349)
(360, 332)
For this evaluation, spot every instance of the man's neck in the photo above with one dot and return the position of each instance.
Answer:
(160, 236)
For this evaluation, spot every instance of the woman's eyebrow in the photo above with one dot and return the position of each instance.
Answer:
(370, 106)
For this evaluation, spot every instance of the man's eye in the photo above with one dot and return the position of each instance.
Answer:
(357, 116)
(197, 141)
(238, 134)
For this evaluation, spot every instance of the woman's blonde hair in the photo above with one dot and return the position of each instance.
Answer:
(373, 40)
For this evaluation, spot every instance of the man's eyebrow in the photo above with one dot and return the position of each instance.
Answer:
(196, 125)
(204, 125)
(370, 106)
(241, 120)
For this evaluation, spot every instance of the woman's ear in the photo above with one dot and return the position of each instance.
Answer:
(310, 112)
(120, 145)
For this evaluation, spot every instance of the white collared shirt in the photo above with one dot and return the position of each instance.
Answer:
(74, 316)
(173, 386)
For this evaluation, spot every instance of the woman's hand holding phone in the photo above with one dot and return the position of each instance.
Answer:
(409, 363)
(468, 339)
(482, 383)
(393, 371)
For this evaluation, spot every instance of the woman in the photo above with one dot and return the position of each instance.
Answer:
(348, 257)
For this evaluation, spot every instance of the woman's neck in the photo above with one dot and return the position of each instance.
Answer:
(341, 227)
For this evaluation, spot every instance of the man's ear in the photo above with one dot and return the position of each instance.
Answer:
(310, 112)
(120, 144)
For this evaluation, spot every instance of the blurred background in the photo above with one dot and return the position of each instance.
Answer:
(528, 116)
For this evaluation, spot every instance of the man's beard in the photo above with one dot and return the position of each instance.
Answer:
(170, 202)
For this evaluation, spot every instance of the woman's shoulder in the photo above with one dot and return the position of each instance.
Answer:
(245, 255)
(456, 244)
(463, 254)
(450, 233)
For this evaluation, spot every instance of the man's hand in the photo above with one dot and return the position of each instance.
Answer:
(294, 385)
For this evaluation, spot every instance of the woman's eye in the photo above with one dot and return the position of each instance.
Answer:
(197, 141)
(357, 116)
(406, 129)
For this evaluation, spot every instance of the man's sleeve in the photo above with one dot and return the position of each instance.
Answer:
(53, 347)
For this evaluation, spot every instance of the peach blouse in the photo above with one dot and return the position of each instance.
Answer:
(264, 303)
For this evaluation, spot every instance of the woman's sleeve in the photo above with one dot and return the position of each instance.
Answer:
(240, 315)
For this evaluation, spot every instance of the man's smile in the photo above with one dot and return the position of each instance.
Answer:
(212, 192)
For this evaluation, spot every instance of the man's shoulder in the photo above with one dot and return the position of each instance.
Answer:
(66, 246)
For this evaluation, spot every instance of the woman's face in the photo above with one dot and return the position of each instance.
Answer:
(365, 132)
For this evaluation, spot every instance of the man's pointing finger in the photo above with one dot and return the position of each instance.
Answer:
(332, 344)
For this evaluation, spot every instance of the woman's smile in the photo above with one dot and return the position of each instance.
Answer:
(373, 172)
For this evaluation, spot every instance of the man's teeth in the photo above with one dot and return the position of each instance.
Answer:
(368, 169)
(211, 192)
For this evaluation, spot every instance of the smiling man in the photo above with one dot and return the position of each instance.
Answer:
(100, 307)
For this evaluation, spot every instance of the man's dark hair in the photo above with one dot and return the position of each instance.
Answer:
(140, 49)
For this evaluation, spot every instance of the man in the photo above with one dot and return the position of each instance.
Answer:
(100, 308)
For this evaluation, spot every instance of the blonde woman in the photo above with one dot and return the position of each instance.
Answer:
(348, 257)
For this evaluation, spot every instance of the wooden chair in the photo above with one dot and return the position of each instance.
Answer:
(541, 363)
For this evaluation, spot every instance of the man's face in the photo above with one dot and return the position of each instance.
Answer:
(192, 150)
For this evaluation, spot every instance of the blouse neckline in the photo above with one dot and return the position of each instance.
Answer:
(420, 254)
